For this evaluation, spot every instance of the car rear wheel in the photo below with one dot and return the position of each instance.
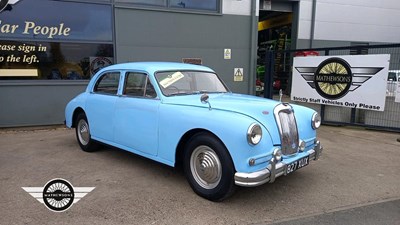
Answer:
(208, 167)
(82, 129)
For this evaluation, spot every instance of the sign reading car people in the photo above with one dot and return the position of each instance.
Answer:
(356, 81)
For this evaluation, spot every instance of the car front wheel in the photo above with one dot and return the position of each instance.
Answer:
(208, 167)
(82, 129)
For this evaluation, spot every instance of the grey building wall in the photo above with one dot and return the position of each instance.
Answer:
(143, 35)
(36, 103)
(305, 43)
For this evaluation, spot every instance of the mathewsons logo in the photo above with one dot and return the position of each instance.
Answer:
(58, 195)
(333, 78)
(6, 4)
(356, 81)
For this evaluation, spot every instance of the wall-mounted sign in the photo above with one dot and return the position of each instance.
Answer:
(356, 81)
(56, 20)
(50, 39)
(227, 53)
(31, 28)
(266, 5)
(238, 74)
(195, 61)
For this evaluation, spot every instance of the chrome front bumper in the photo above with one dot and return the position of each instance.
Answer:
(274, 170)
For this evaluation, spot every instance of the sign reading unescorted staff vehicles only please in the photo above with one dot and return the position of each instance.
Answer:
(356, 81)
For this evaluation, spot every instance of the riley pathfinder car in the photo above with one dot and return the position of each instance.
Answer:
(183, 114)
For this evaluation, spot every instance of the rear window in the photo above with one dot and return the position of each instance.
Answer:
(107, 83)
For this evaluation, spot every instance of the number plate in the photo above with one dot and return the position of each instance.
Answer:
(300, 163)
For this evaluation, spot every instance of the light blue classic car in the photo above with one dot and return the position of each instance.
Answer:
(183, 114)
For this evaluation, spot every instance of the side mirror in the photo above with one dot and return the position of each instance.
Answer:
(204, 98)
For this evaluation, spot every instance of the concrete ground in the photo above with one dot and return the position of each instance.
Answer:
(358, 168)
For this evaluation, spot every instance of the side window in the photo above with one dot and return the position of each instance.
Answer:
(138, 85)
(150, 92)
(107, 83)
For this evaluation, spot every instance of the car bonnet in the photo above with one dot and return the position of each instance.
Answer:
(260, 109)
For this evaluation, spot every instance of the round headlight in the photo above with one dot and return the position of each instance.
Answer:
(316, 121)
(254, 134)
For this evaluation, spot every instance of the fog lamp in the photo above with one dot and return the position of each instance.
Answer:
(252, 162)
(277, 154)
(302, 145)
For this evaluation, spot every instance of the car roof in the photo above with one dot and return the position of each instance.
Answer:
(153, 67)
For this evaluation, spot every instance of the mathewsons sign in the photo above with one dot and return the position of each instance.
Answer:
(356, 81)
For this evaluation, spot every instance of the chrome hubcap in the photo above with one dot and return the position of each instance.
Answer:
(83, 132)
(205, 167)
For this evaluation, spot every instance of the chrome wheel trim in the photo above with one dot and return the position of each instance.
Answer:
(83, 132)
(205, 167)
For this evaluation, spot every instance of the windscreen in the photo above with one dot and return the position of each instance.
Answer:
(189, 82)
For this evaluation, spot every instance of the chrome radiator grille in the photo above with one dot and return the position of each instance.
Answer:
(287, 126)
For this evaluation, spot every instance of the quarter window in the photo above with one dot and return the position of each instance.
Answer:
(139, 85)
(107, 83)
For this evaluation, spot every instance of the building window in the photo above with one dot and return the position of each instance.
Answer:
(209, 5)
(145, 2)
(52, 60)
(189, 5)
(47, 40)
